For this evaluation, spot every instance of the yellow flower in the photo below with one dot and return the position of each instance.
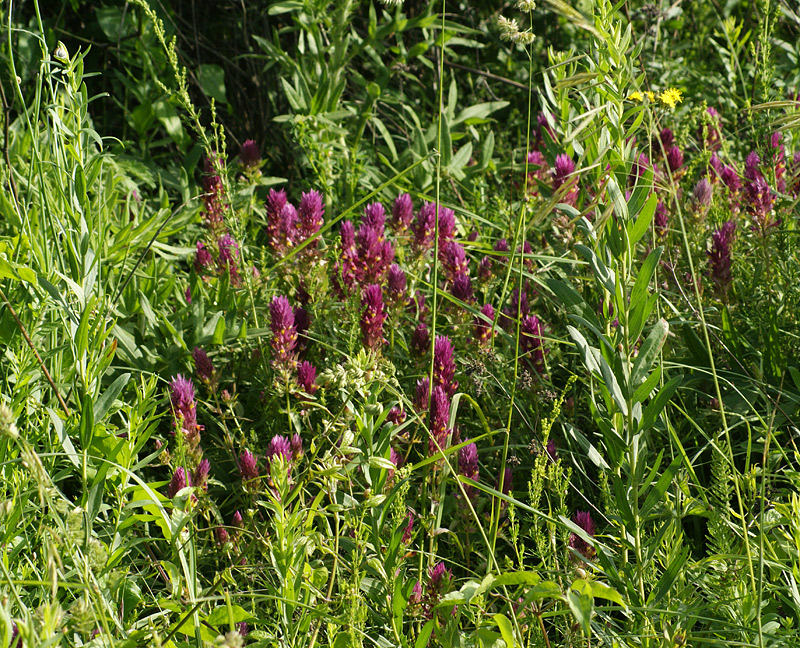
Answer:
(651, 96)
(636, 96)
(670, 97)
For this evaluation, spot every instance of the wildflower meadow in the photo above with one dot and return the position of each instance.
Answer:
(394, 323)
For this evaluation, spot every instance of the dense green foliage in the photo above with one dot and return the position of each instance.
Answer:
(400, 324)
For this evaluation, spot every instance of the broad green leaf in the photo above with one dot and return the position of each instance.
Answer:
(581, 604)
(506, 630)
(479, 111)
(603, 591)
(220, 616)
(16, 272)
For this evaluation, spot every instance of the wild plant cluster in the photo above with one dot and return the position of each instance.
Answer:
(496, 354)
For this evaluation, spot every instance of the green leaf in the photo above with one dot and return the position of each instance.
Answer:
(424, 635)
(479, 111)
(219, 616)
(582, 605)
(16, 272)
(618, 198)
(87, 422)
(506, 630)
(612, 385)
(648, 352)
(604, 275)
(657, 492)
(642, 224)
(105, 401)
(644, 390)
(211, 78)
(603, 591)
(460, 159)
(656, 406)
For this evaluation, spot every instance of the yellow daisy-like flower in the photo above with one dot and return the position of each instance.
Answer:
(651, 95)
(636, 96)
(670, 97)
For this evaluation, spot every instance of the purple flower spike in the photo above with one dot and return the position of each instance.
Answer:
(402, 213)
(484, 325)
(462, 288)
(421, 395)
(202, 259)
(236, 520)
(284, 333)
(248, 467)
(424, 227)
(396, 415)
(583, 519)
(661, 219)
(213, 199)
(447, 225)
(228, 259)
(297, 446)
(454, 260)
(702, 194)
(202, 365)
(223, 537)
(409, 530)
(374, 254)
(310, 214)
(551, 450)
(374, 216)
(306, 377)
(279, 446)
(180, 480)
(275, 202)
(530, 342)
(439, 581)
(184, 409)
(444, 367)
(485, 269)
(281, 222)
(420, 339)
(751, 164)
(730, 179)
(719, 256)
(674, 159)
(181, 393)
(372, 317)
(396, 285)
(562, 175)
(667, 138)
(759, 200)
(200, 477)
(468, 467)
(439, 420)
(347, 233)
(250, 155)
